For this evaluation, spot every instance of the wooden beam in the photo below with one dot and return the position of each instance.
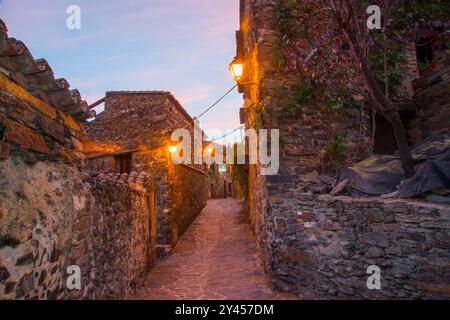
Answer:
(96, 104)
(114, 154)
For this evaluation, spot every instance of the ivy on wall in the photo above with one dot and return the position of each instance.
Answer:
(240, 173)
(336, 149)
(307, 66)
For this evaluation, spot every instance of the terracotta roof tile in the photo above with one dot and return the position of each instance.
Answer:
(141, 181)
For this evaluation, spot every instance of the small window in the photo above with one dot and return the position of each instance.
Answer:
(122, 164)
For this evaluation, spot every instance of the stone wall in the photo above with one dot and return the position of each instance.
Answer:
(141, 123)
(217, 186)
(188, 196)
(433, 101)
(316, 245)
(112, 239)
(52, 214)
(37, 206)
(321, 246)
(134, 118)
(41, 145)
(304, 136)
(52, 219)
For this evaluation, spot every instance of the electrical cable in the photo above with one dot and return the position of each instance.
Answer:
(213, 105)
(228, 134)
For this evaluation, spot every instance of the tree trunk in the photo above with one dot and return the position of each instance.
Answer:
(390, 112)
(384, 106)
(402, 144)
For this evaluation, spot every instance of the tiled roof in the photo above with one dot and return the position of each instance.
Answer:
(137, 181)
(36, 76)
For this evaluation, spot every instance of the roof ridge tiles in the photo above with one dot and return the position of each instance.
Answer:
(139, 181)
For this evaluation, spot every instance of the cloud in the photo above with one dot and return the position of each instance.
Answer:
(193, 94)
(182, 46)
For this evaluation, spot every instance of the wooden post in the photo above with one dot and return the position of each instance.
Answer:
(151, 203)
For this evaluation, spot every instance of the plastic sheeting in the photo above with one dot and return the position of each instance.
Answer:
(381, 174)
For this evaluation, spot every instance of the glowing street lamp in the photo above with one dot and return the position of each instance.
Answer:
(210, 150)
(172, 149)
(237, 69)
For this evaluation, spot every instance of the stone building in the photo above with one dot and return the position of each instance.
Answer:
(318, 245)
(55, 218)
(424, 94)
(220, 182)
(133, 134)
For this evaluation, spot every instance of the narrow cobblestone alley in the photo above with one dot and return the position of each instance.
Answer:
(215, 259)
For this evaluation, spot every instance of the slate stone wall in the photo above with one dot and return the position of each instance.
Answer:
(38, 215)
(433, 101)
(41, 152)
(217, 186)
(52, 218)
(143, 123)
(188, 196)
(112, 240)
(53, 214)
(322, 246)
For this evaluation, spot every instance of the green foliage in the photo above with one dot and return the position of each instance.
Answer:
(414, 10)
(209, 172)
(278, 57)
(307, 91)
(341, 101)
(257, 110)
(336, 149)
(423, 65)
(285, 18)
(239, 173)
(293, 101)
(395, 57)
(312, 86)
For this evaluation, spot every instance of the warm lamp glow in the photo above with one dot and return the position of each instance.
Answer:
(172, 149)
(210, 150)
(236, 69)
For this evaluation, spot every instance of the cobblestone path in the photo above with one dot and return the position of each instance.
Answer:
(215, 259)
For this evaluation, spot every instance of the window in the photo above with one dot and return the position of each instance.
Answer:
(122, 163)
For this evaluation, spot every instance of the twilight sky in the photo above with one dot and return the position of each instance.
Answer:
(182, 46)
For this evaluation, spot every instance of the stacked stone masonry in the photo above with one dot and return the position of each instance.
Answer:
(320, 246)
(141, 123)
(433, 100)
(113, 238)
(54, 214)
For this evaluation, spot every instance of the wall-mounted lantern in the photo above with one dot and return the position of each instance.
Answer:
(237, 69)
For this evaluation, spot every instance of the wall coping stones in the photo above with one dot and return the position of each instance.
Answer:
(364, 201)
